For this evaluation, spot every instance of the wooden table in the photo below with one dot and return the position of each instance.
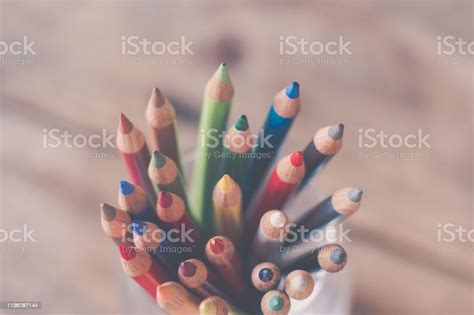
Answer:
(79, 81)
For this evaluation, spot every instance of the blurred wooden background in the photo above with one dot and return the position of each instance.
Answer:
(393, 81)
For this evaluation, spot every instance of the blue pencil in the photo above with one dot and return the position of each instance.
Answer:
(281, 115)
(134, 199)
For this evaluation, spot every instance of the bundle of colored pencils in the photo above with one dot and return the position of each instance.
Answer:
(219, 250)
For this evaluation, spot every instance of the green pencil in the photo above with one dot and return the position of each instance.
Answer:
(238, 143)
(215, 112)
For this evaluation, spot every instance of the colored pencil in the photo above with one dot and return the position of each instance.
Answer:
(200, 280)
(283, 180)
(227, 200)
(172, 211)
(174, 299)
(150, 238)
(330, 257)
(161, 118)
(134, 199)
(299, 284)
(265, 276)
(214, 305)
(215, 112)
(133, 149)
(325, 144)
(221, 253)
(285, 107)
(337, 207)
(164, 175)
(274, 227)
(115, 223)
(275, 302)
(238, 142)
(142, 268)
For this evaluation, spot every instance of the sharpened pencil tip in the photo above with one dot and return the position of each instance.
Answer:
(108, 212)
(126, 188)
(157, 98)
(336, 131)
(158, 159)
(276, 303)
(217, 245)
(226, 183)
(354, 194)
(297, 159)
(338, 256)
(139, 227)
(222, 73)
(187, 269)
(165, 199)
(127, 251)
(125, 125)
(242, 123)
(266, 274)
(208, 307)
(293, 90)
(278, 219)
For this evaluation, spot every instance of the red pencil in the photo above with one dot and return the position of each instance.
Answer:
(284, 179)
(171, 210)
(221, 253)
(142, 268)
(133, 149)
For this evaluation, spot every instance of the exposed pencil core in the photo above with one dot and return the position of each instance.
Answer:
(297, 158)
(336, 131)
(187, 269)
(138, 227)
(157, 99)
(165, 199)
(127, 251)
(293, 90)
(226, 184)
(222, 73)
(125, 125)
(108, 212)
(354, 194)
(276, 303)
(242, 123)
(266, 274)
(338, 256)
(217, 245)
(126, 188)
(208, 307)
(158, 159)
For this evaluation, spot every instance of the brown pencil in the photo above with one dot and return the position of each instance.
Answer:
(174, 299)
(161, 118)
(115, 223)
(133, 149)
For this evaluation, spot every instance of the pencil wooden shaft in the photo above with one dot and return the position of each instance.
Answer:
(274, 196)
(213, 117)
(278, 127)
(307, 263)
(320, 215)
(136, 165)
(228, 222)
(314, 162)
(265, 248)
